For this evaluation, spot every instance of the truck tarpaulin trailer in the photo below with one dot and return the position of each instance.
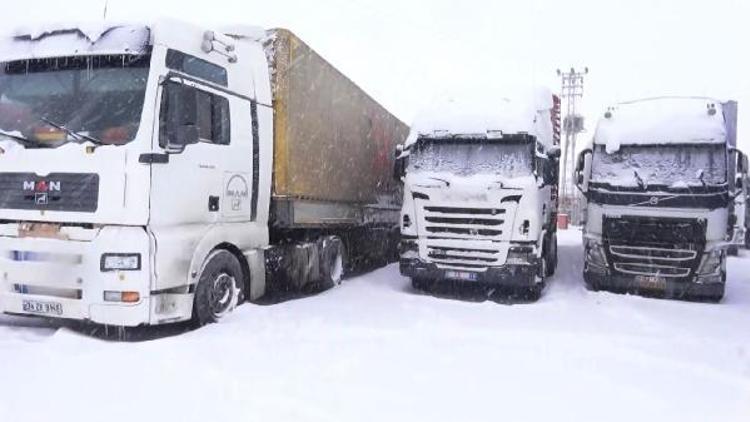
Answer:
(660, 180)
(480, 193)
(154, 173)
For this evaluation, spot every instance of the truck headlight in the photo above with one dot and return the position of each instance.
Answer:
(121, 262)
(595, 254)
(520, 255)
(712, 261)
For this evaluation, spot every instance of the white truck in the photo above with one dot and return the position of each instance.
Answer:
(660, 180)
(480, 193)
(156, 173)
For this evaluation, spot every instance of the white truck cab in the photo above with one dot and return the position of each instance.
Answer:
(480, 194)
(136, 170)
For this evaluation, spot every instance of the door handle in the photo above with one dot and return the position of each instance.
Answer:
(213, 203)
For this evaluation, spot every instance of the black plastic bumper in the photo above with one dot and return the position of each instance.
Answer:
(507, 275)
(684, 290)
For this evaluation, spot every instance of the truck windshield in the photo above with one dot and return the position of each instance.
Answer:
(45, 103)
(673, 166)
(469, 157)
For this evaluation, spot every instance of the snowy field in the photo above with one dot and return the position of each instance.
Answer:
(374, 349)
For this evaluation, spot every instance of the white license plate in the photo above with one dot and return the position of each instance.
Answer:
(42, 308)
(461, 275)
(651, 282)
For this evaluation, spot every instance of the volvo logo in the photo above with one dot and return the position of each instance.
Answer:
(653, 200)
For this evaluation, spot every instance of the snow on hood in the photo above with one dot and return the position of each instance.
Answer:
(55, 40)
(483, 115)
(661, 121)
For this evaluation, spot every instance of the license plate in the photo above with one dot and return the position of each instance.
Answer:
(651, 282)
(461, 275)
(42, 308)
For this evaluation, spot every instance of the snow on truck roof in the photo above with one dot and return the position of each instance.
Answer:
(665, 120)
(52, 40)
(486, 116)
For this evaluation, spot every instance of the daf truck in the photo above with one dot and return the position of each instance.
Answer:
(156, 173)
(660, 179)
(480, 194)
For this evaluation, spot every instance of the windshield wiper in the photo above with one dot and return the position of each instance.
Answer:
(639, 179)
(20, 138)
(76, 135)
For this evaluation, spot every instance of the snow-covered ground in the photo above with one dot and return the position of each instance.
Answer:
(374, 349)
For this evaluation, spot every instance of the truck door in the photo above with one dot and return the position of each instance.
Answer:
(205, 181)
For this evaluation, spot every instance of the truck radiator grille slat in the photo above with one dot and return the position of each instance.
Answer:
(651, 269)
(472, 211)
(471, 221)
(462, 230)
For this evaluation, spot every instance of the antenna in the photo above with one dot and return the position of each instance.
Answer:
(106, 3)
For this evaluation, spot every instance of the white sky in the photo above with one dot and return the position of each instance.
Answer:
(407, 53)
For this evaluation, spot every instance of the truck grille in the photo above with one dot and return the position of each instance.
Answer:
(456, 222)
(664, 247)
(464, 238)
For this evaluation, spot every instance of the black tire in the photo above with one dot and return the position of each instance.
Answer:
(551, 256)
(591, 285)
(332, 262)
(747, 238)
(422, 284)
(220, 287)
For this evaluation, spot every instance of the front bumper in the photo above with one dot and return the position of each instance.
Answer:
(671, 289)
(506, 275)
(62, 278)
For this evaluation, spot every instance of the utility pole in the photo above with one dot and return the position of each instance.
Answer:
(572, 89)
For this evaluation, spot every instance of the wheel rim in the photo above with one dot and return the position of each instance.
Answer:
(337, 268)
(222, 295)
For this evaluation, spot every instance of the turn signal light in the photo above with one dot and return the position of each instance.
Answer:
(125, 297)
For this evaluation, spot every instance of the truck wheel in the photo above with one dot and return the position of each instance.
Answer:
(219, 289)
(422, 284)
(747, 239)
(332, 262)
(551, 256)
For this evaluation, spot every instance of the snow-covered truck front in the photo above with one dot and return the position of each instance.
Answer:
(155, 173)
(480, 193)
(660, 180)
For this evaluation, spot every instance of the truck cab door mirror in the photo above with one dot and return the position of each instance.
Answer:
(178, 117)
(399, 165)
(583, 170)
(554, 153)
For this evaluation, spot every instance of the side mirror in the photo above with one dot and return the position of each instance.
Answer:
(554, 153)
(583, 170)
(186, 135)
(399, 166)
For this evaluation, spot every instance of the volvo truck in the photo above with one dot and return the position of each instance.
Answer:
(660, 178)
(156, 173)
(480, 194)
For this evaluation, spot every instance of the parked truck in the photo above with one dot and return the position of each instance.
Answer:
(660, 181)
(156, 173)
(480, 194)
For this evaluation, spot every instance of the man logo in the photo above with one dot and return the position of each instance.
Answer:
(42, 186)
(237, 192)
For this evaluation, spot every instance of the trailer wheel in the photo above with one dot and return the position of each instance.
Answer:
(219, 287)
(332, 262)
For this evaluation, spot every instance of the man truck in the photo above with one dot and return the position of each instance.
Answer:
(151, 174)
(480, 194)
(660, 180)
